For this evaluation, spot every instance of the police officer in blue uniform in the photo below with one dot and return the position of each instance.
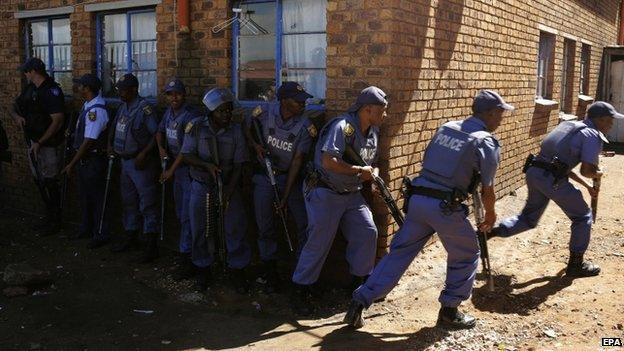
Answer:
(547, 177)
(214, 145)
(288, 136)
(170, 138)
(89, 144)
(132, 139)
(435, 205)
(335, 201)
(39, 111)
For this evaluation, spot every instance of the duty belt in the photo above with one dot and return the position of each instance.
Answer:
(430, 192)
(322, 184)
(557, 168)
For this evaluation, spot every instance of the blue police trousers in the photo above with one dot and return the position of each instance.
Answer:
(139, 194)
(565, 195)
(328, 210)
(91, 171)
(235, 227)
(423, 219)
(265, 214)
(182, 196)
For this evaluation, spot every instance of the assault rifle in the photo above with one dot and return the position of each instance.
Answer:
(477, 203)
(353, 157)
(268, 167)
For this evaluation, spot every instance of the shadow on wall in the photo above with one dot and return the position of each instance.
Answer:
(447, 24)
(540, 119)
(601, 8)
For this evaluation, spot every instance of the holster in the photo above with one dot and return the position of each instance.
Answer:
(528, 163)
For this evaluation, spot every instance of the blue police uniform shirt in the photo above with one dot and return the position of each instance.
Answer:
(284, 138)
(231, 146)
(135, 126)
(487, 157)
(586, 145)
(172, 126)
(92, 122)
(333, 140)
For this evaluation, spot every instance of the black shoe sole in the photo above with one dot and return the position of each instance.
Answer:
(581, 275)
(95, 246)
(453, 326)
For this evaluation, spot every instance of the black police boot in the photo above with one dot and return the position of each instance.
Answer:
(185, 270)
(239, 281)
(451, 318)
(496, 231)
(78, 235)
(52, 224)
(204, 279)
(302, 300)
(151, 249)
(52, 228)
(353, 317)
(356, 282)
(272, 280)
(578, 268)
(96, 243)
(129, 242)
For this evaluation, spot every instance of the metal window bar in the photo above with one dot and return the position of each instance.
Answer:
(57, 57)
(120, 54)
(279, 34)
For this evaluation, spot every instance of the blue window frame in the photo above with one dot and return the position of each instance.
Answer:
(50, 40)
(126, 43)
(293, 49)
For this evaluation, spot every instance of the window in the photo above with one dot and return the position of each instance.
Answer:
(127, 44)
(545, 61)
(584, 74)
(50, 40)
(294, 48)
(567, 75)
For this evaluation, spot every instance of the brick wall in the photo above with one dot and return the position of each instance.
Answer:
(430, 56)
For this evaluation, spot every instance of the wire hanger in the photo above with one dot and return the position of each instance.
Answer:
(243, 17)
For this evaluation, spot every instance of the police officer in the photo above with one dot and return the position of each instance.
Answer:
(215, 146)
(170, 138)
(288, 136)
(89, 144)
(569, 144)
(132, 139)
(336, 200)
(39, 111)
(435, 205)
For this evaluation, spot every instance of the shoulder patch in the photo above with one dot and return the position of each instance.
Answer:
(92, 116)
(55, 91)
(348, 130)
(147, 109)
(312, 130)
(256, 111)
(188, 127)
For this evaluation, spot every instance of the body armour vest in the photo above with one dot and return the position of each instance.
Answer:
(557, 143)
(37, 119)
(175, 129)
(131, 133)
(213, 146)
(365, 146)
(282, 143)
(100, 144)
(450, 157)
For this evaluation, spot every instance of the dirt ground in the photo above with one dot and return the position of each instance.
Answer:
(101, 301)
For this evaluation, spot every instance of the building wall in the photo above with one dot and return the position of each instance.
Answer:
(430, 56)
